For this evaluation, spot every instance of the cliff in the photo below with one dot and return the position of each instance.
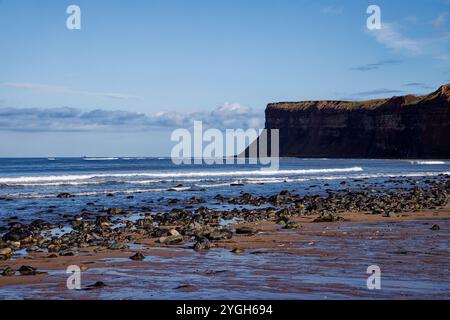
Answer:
(399, 127)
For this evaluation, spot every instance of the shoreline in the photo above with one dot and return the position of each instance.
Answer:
(282, 233)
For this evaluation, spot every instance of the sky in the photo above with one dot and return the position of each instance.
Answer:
(138, 69)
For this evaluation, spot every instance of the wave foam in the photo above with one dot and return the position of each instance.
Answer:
(427, 162)
(29, 179)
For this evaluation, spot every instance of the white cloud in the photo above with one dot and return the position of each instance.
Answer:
(440, 20)
(64, 90)
(70, 119)
(390, 36)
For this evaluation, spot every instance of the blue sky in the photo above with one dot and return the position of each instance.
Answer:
(138, 69)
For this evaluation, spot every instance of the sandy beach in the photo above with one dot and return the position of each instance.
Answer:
(318, 260)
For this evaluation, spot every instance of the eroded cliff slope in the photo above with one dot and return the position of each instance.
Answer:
(399, 127)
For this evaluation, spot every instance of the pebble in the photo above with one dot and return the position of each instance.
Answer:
(435, 228)
(137, 257)
(202, 244)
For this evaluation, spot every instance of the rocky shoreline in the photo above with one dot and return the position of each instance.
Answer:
(201, 228)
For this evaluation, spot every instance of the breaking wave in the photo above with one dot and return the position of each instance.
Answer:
(169, 175)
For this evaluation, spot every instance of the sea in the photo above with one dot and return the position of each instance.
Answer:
(326, 266)
(29, 187)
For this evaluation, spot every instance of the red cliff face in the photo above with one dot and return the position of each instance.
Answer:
(399, 127)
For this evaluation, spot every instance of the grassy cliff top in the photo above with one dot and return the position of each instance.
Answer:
(401, 101)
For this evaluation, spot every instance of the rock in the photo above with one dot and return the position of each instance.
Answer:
(8, 272)
(169, 240)
(5, 251)
(435, 228)
(174, 232)
(145, 223)
(18, 234)
(196, 200)
(183, 287)
(246, 230)
(15, 244)
(117, 246)
(103, 222)
(4, 257)
(237, 251)
(52, 248)
(65, 195)
(27, 271)
(219, 235)
(334, 129)
(328, 218)
(114, 211)
(137, 257)
(97, 285)
(202, 244)
(291, 225)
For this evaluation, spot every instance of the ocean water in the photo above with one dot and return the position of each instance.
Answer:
(29, 187)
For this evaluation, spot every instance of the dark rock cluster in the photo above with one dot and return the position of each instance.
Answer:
(109, 228)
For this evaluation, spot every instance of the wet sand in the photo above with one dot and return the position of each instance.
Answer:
(319, 261)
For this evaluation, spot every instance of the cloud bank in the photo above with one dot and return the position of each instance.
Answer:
(71, 119)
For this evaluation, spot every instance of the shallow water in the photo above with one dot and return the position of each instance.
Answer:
(414, 263)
